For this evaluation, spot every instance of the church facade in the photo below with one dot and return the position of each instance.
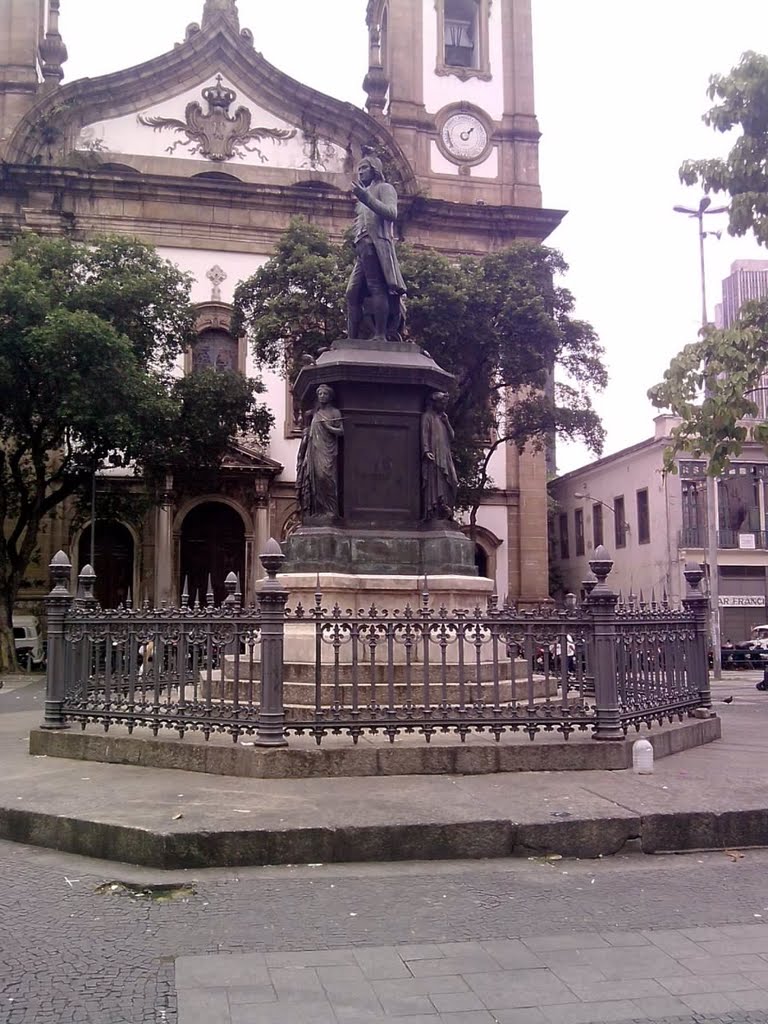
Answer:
(207, 152)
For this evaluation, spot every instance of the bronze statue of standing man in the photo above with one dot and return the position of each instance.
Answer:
(376, 274)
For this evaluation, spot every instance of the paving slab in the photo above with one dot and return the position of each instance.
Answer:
(476, 985)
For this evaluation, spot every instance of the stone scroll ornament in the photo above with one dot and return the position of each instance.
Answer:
(217, 135)
(439, 482)
(317, 464)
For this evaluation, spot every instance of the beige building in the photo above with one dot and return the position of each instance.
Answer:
(206, 152)
(653, 523)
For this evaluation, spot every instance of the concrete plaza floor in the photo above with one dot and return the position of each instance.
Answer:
(711, 797)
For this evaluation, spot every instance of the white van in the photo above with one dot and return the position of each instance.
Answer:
(28, 640)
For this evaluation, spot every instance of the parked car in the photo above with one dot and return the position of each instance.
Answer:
(29, 643)
(758, 637)
(742, 655)
(752, 653)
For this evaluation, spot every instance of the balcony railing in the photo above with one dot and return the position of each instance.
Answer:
(726, 539)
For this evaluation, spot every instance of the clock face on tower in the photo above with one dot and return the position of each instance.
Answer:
(464, 136)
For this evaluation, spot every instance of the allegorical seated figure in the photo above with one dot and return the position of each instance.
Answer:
(439, 482)
(376, 275)
(317, 466)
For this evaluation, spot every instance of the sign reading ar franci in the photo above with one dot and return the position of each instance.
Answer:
(741, 600)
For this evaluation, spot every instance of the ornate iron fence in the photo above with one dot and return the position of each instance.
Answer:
(601, 667)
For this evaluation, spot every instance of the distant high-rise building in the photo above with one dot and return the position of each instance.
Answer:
(748, 280)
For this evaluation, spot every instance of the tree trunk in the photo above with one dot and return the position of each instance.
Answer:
(7, 647)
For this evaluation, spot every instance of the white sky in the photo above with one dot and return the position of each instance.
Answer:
(620, 90)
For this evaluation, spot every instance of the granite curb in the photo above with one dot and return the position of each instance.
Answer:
(307, 760)
(471, 840)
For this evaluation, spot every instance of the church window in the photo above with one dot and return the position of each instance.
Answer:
(215, 350)
(463, 38)
(461, 33)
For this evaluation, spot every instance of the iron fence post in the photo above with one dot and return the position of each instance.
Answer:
(272, 600)
(85, 600)
(602, 602)
(58, 603)
(698, 604)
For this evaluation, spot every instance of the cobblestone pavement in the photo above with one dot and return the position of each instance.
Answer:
(71, 953)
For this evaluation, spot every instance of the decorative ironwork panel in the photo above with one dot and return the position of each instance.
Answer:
(433, 671)
(169, 668)
(601, 667)
(655, 660)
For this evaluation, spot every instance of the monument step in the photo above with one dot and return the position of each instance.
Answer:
(304, 693)
(304, 672)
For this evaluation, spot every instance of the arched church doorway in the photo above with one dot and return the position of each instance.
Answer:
(113, 561)
(212, 541)
(481, 560)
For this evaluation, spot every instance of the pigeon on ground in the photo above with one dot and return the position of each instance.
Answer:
(728, 700)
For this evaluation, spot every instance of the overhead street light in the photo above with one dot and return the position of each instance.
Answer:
(705, 207)
(599, 501)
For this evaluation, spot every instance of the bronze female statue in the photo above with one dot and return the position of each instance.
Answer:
(317, 468)
(439, 482)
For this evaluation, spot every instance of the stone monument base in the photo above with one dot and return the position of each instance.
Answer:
(435, 550)
(359, 592)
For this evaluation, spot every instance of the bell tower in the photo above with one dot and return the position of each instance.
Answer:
(453, 80)
(32, 53)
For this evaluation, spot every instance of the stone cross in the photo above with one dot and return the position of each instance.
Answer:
(217, 277)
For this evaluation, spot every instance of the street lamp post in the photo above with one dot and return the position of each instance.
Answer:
(698, 214)
(599, 501)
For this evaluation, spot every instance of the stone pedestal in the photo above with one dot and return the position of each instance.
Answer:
(361, 592)
(348, 675)
(381, 390)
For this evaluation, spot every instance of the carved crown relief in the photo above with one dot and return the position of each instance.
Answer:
(270, 120)
(217, 135)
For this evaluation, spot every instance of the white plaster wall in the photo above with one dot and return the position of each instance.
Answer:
(653, 567)
(124, 135)
(440, 90)
(489, 168)
(238, 266)
(439, 164)
(281, 448)
(497, 467)
(494, 519)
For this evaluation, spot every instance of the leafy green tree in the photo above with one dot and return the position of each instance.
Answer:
(500, 324)
(711, 385)
(89, 340)
(742, 97)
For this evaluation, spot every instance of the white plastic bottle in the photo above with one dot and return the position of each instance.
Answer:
(642, 757)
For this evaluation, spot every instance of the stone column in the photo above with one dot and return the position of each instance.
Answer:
(261, 517)
(164, 546)
(20, 36)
